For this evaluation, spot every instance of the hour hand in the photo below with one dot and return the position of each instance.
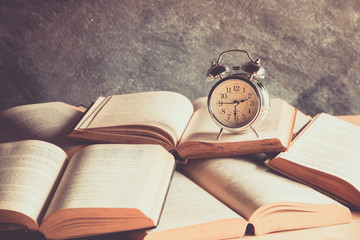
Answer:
(235, 111)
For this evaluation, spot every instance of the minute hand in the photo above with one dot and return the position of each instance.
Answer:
(235, 102)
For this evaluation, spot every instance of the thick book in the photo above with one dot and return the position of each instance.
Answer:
(103, 188)
(168, 119)
(325, 156)
(268, 202)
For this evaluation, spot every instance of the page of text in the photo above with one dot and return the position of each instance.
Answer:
(203, 128)
(28, 172)
(46, 121)
(245, 184)
(188, 204)
(110, 176)
(166, 110)
(329, 145)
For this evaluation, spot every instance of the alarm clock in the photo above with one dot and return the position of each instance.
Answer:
(238, 102)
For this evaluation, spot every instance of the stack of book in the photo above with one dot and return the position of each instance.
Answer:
(149, 166)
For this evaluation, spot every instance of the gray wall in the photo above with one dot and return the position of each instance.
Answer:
(75, 51)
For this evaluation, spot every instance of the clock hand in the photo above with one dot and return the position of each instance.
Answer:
(235, 104)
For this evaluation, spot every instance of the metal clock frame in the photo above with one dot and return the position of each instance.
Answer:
(261, 95)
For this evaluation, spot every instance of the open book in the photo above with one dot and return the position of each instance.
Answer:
(103, 188)
(48, 122)
(325, 156)
(267, 201)
(169, 119)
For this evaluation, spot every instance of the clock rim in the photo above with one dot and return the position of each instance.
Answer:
(261, 95)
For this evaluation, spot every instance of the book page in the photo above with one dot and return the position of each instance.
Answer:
(202, 128)
(329, 145)
(199, 103)
(92, 110)
(28, 172)
(301, 119)
(188, 204)
(192, 213)
(354, 119)
(245, 184)
(301, 122)
(114, 176)
(169, 111)
(44, 121)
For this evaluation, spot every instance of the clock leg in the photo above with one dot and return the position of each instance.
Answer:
(257, 135)
(218, 136)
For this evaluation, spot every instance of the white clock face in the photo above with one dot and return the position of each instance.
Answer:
(234, 103)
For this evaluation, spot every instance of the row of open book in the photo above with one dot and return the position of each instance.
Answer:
(115, 168)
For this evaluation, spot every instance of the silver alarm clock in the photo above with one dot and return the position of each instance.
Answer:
(238, 101)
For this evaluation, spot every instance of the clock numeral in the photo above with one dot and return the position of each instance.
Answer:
(223, 96)
(243, 116)
(236, 118)
(252, 103)
(220, 103)
(244, 89)
(223, 111)
(236, 88)
(249, 95)
(228, 116)
(249, 111)
(228, 90)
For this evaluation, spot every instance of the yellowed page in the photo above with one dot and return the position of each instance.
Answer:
(188, 205)
(349, 231)
(199, 103)
(115, 176)
(92, 111)
(329, 145)
(354, 119)
(202, 128)
(44, 121)
(28, 172)
(301, 118)
(301, 121)
(169, 111)
(245, 184)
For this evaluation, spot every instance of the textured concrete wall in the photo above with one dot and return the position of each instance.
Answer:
(75, 51)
